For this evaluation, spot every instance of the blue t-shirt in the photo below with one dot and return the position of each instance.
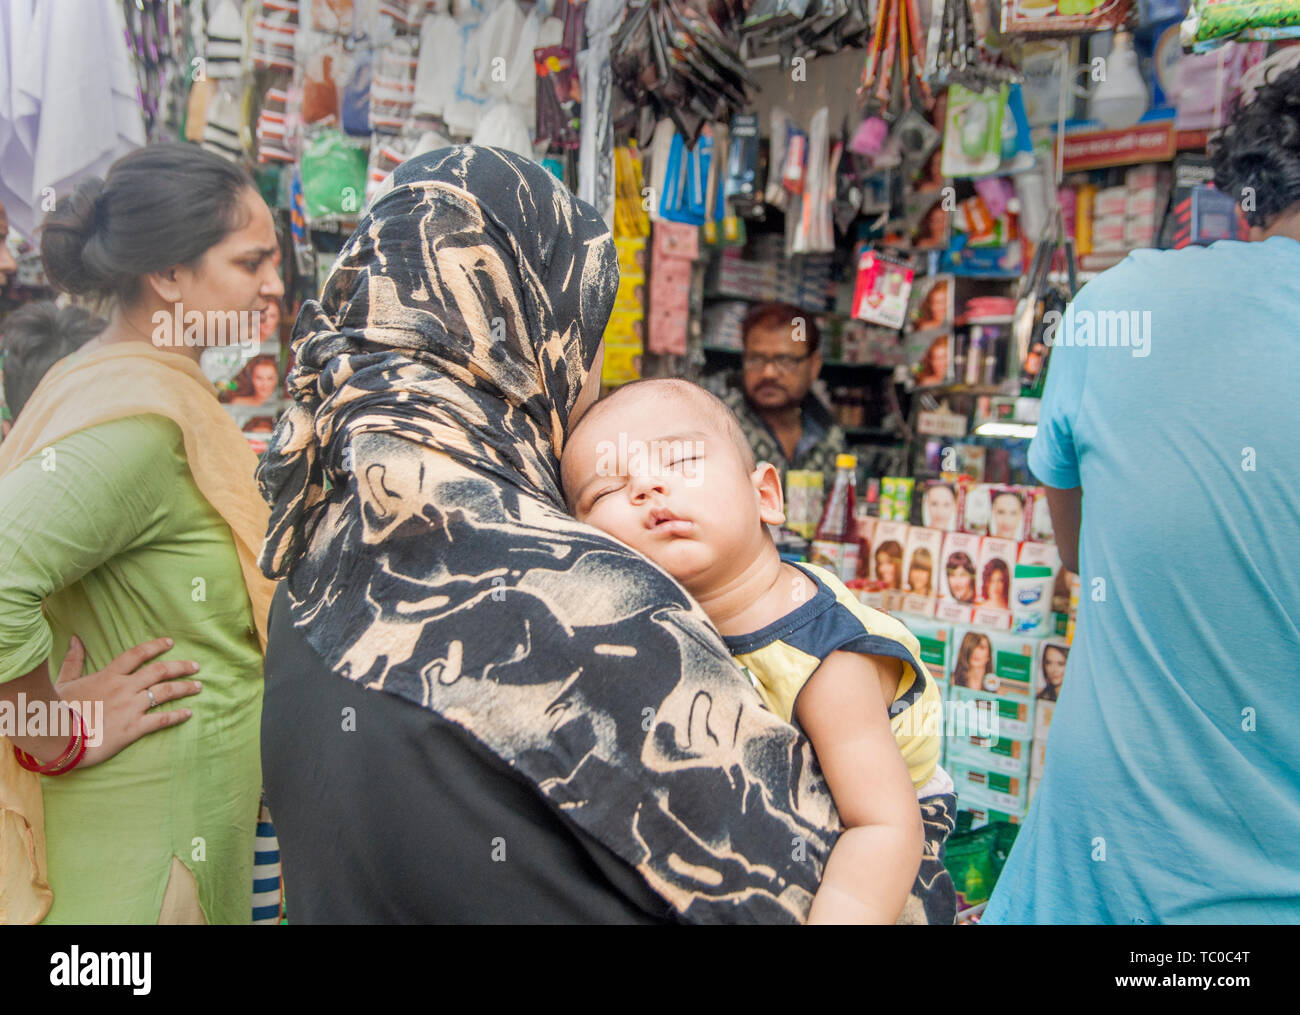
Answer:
(1171, 791)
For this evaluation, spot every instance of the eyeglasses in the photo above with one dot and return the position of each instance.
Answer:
(784, 364)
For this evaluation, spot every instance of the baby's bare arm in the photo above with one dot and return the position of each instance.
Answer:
(874, 863)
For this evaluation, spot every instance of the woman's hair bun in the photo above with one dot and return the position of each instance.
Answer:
(65, 235)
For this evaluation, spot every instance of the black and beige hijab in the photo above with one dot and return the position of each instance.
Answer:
(432, 390)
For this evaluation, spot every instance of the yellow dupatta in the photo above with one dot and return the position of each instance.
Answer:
(97, 386)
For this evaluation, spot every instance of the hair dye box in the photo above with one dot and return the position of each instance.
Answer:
(981, 816)
(981, 786)
(936, 645)
(997, 563)
(1040, 517)
(996, 754)
(1037, 757)
(1050, 669)
(887, 553)
(922, 556)
(990, 509)
(939, 505)
(993, 662)
(957, 570)
(1043, 714)
(980, 713)
(917, 606)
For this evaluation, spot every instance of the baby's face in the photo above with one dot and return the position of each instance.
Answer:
(663, 477)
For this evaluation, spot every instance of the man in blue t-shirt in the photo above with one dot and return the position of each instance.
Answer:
(1171, 791)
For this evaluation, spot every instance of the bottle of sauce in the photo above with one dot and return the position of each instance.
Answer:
(835, 543)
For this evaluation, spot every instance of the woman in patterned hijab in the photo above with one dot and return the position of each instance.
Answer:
(419, 526)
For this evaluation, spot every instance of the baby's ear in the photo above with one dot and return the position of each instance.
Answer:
(766, 481)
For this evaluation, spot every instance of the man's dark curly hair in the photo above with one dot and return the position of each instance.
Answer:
(1260, 149)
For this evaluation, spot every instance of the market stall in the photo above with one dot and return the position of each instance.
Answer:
(929, 182)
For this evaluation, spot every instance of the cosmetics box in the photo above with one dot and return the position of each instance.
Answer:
(1037, 757)
(1007, 671)
(997, 562)
(887, 553)
(1043, 713)
(996, 754)
(997, 510)
(981, 786)
(922, 557)
(936, 644)
(990, 715)
(981, 816)
(960, 558)
(1050, 669)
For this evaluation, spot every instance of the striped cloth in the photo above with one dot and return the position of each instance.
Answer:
(266, 871)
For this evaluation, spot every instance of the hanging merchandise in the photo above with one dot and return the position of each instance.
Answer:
(355, 110)
(223, 123)
(957, 47)
(676, 246)
(558, 99)
(630, 215)
(60, 133)
(972, 136)
(897, 39)
(1211, 23)
(224, 39)
(392, 87)
(320, 95)
(882, 289)
(274, 129)
(596, 144)
(681, 63)
(811, 230)
(684, 195)
(333, 176)
(1017, 142)
(774, 195)
(275, 35)
(1048, 19)
(741, 186)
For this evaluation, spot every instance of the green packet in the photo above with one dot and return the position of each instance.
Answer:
(1210, 23)
(975, 860)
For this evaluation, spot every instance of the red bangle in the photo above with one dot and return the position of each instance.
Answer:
(66, 762)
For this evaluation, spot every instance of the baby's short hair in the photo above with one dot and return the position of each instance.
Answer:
(675, 387)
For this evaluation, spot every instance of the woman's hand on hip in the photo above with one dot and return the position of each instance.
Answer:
(130, 687)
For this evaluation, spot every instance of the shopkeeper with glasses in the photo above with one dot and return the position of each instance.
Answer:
(785, 423)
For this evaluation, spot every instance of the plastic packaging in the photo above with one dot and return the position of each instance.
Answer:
(1211, 23)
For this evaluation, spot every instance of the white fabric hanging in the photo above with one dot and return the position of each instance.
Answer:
(596, 140)
(439, 66)
(70, 92)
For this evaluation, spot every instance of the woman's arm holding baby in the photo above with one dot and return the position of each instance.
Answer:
(874, 863)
